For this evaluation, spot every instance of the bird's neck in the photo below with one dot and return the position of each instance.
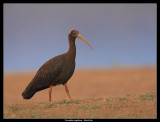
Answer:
(72, 48)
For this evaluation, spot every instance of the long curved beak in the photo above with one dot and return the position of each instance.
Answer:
(83, 39)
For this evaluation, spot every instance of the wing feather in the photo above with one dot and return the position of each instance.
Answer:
(47, 73)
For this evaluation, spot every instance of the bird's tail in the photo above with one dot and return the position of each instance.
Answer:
(28, 92)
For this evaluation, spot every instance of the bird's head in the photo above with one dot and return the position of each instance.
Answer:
(75, 34)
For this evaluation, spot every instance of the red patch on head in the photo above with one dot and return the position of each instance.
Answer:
(72, 30)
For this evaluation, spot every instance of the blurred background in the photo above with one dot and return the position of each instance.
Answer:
(120, 34)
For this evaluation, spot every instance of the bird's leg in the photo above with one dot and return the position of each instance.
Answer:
(50, 92)
(67, 91)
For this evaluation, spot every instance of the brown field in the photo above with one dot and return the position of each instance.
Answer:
(96, 93)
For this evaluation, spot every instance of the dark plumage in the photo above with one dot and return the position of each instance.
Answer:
(55, 71)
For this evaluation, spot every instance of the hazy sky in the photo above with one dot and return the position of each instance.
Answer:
(123, 34)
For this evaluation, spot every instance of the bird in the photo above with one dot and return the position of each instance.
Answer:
(56, 71)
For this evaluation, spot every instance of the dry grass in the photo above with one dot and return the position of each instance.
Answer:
(130, 106)
(118, 93)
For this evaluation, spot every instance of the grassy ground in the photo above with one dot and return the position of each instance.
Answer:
(98, 93)
(129, 106)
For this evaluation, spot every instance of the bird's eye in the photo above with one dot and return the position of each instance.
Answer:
(74, 32)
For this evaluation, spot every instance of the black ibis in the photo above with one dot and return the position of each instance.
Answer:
(58, 70)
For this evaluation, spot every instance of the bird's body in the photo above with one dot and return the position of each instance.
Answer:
(55, 71)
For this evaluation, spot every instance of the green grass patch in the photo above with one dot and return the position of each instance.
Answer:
(147, 96)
